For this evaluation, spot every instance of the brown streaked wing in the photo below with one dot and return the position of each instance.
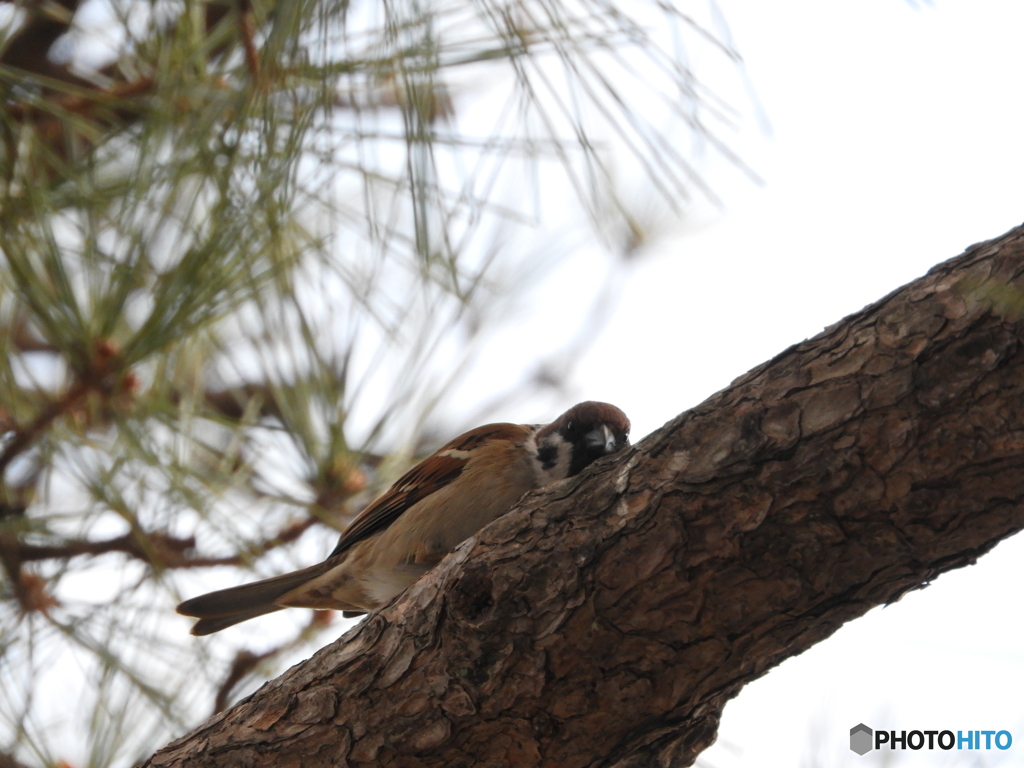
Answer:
(430, 475)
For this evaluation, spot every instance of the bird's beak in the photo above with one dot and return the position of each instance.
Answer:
(601, 439)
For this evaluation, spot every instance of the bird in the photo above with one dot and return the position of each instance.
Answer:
(431, 509)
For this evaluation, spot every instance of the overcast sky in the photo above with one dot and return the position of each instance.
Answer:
(897, 140)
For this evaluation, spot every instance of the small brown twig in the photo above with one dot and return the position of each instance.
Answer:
(24, 338)
(28, 434)
(101, 374)
(247, 32)
(157, 548)
(245, 661)
(232, 403)
(29, 588)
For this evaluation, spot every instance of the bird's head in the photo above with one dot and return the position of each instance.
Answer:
(581, 436)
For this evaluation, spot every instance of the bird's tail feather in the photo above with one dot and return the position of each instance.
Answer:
(226, 607)
(213, 624)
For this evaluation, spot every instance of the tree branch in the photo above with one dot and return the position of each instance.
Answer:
(21, 439)
(608, 619)
(102, 373)
(158, 548)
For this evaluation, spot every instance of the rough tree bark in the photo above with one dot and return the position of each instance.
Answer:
(607, 620)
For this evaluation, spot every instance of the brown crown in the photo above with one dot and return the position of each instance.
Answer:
(590, 412)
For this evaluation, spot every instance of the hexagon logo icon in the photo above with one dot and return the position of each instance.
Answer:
(860, 739)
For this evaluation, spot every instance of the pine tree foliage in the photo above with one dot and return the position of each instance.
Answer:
(247, 247)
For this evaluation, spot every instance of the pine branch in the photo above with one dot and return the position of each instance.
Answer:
(159, 549)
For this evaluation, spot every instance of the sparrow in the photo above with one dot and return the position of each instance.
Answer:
(429, 511)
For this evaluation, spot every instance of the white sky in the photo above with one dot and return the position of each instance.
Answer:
(897, 140)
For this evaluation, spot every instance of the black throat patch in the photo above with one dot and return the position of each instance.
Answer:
(547, 455)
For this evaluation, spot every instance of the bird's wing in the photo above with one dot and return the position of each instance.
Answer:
(430, 475)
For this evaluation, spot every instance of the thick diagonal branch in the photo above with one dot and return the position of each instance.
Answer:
(607, 620)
